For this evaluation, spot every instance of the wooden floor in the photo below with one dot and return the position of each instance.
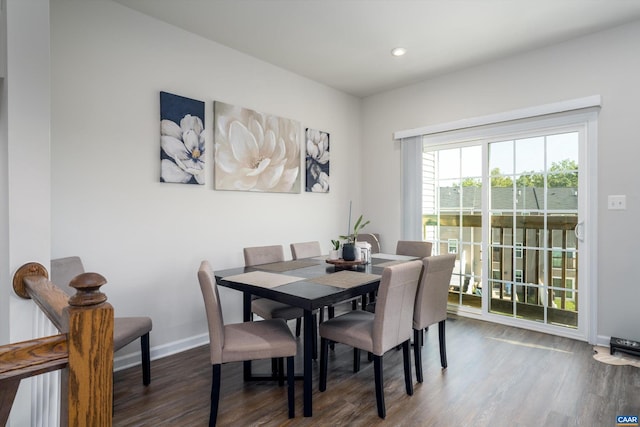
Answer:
(497, 376)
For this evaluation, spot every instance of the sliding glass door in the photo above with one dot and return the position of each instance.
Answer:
(509, 207)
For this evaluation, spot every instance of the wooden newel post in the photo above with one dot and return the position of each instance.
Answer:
(90, 338)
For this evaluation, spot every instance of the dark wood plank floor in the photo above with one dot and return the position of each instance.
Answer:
(497, 376)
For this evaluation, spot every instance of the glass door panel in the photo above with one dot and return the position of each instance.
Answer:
(533, 212)
(528, 192)
(452, 219)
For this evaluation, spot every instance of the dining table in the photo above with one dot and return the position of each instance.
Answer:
(310, 284)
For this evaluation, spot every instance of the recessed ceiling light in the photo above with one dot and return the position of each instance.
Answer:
(398, 51)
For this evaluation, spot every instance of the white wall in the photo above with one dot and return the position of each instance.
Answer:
(607, 64)
(109, 64)
(25, 112)
(5, 290)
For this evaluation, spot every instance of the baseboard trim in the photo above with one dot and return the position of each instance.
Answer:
(133, 359)
(603, 341)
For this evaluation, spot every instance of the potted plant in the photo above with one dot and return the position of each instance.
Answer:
(335, 250)
(349, 252)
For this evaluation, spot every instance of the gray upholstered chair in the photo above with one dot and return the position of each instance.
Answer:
(431, 304)
(305, 250)
(264, 307)
(378, 332)
(416, 248)
(373, 239)
(308, 250)
(267, 339)
(125, 329)
(257, 255)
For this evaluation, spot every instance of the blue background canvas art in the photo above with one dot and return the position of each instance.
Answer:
(181, 139)
(317, 161)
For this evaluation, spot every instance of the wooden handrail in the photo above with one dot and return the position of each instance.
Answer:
(31, 281)
(84, 351)
(33, 357)
(26, 359)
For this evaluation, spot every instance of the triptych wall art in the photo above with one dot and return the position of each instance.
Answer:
(253, 151)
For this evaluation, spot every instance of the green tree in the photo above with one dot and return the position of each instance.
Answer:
(530, 180)
(471, 182)
(498, 180)
(562, 174)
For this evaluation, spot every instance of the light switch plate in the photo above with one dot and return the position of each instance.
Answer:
(618, 202)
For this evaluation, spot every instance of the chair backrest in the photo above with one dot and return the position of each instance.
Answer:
(373, 239)
(63, 270)
(214, 311)
(257, 255)
(394, 305)
(433, 291)
(416, 248)
(305, 250)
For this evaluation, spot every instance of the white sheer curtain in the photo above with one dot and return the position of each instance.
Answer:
(411, 149)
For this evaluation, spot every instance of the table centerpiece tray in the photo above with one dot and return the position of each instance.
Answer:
(342, 263)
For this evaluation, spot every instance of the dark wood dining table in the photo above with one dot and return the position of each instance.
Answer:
(311, 284)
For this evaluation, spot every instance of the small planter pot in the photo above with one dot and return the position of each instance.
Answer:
(349, 252)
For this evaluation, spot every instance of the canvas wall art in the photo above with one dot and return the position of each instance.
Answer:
(181, 139)
(255, 151)
(317, 161)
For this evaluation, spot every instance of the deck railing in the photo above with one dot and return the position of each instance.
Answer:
(517, 277)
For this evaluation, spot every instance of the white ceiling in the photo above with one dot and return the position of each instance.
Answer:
(346, 44)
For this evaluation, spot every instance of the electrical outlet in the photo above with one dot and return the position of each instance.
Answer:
(617, 202)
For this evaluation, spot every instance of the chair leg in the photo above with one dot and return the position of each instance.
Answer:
(298, 324)
(324, 355)
(417, 353)
(215, 394)
(281, 371)
(146, 359)
(356, 360)
(443, 345)
(291, 391)
(331, 312)
(377, 368)
(315, 337)
(406, 356)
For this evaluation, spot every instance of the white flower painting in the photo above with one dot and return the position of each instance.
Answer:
(255, 151)
(181, 139)
(317, 161)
